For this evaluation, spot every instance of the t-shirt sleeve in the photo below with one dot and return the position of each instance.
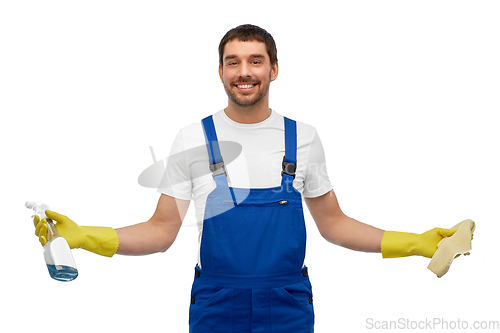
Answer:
(316, 182)
(176, 181)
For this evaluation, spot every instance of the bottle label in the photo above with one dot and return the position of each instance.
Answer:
(58, 253)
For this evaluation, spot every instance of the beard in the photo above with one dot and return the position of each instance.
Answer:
(244, 100)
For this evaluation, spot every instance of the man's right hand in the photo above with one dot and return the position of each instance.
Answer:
(68, 229)
(100, 240)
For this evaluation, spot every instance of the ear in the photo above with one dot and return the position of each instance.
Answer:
(274, 71)
(220, 74)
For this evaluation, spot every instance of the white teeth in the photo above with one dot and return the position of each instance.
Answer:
(245, 86)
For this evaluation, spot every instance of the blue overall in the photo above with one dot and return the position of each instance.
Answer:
(252, 277)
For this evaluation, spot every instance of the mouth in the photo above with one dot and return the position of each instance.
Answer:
(247, 87)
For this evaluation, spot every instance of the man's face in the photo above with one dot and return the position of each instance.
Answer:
(246, 72)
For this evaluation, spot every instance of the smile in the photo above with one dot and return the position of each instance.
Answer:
(245, 87)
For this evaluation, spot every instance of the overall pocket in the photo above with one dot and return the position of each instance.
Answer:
(292, 308)
(211, 306)
(264, 203)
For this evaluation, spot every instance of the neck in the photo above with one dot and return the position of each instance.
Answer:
(248, 115)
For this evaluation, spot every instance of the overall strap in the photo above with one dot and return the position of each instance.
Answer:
(214, 155)
(290, 158)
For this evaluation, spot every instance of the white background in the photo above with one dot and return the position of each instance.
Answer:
(404, 94)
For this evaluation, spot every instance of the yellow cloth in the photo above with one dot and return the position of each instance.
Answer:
(451, 247)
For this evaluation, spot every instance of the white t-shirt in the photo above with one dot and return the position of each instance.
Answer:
(259, 165)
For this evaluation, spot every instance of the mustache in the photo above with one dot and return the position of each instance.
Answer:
(247, 80)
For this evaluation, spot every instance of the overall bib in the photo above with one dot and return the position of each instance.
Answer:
(252, 277)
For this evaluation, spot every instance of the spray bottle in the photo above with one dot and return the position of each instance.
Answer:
(56, 251)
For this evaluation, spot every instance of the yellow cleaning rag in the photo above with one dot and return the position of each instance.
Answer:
(450, 248)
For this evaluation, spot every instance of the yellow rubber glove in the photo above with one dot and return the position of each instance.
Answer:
(100, 240)
(402, 244)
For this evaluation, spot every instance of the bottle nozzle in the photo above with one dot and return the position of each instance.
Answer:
(38, 207)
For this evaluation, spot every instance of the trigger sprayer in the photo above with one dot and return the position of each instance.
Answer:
(56, 251)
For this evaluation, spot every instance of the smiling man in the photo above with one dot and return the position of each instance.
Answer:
(251, 275)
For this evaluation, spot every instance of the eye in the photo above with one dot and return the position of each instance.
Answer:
(256, 62)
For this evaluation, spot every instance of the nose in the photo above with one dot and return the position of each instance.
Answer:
(245, 70)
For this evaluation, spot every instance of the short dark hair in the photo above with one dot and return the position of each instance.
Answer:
(248, 32)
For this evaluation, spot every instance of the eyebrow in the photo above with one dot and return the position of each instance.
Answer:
(233, 56)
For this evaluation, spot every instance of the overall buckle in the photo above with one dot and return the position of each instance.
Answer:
(288, 168)
(218, 169)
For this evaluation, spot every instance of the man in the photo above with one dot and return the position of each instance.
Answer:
(250, 275)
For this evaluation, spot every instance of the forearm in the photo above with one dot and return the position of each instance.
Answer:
(145, 238)
(353, 234)
(340, 229)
